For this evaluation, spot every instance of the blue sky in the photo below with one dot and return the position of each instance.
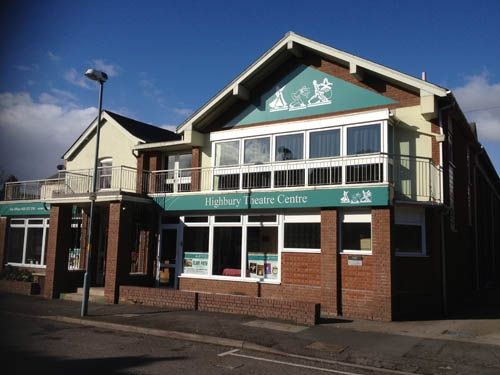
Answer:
(165, 59)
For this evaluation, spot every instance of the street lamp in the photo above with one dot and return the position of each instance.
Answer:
(100, 77)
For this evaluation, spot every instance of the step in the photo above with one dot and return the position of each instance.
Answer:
(92, 292)
(77, 297)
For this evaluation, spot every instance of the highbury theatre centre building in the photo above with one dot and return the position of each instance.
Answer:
(316, 183)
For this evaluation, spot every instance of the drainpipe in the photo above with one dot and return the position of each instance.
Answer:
(444, 212)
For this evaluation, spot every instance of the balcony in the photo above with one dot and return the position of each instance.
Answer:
(413, 178)
(78, 183)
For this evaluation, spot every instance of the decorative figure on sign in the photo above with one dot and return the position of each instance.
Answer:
(367, 197)
(345, 198)
(279, 103)
(298, 102)
(322, 93)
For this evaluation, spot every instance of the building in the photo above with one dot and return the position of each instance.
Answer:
(314, 178)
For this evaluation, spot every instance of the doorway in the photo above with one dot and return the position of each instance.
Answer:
(169, 255)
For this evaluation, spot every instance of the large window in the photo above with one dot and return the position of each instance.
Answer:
(356, 232)
(227, 153)
(409, 231)
(363, 139)
(105, 173)
(289, 147)
(256, 150)
(27, 241)
(324, 144)
(196, 250)
(302, 233)
(227, 251)
(262, 252)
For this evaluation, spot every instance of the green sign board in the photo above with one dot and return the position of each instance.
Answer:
(340, 197)
(24, 209)
(305, 92)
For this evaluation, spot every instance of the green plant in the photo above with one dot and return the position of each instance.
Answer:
(17, 274)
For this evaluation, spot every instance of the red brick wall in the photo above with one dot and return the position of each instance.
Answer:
(329, 262)
(19, 287)
(196, 163)
(3, 241)
(219, 286)
(158, 297)
(295, 311)
(301, 269)
(367, 289)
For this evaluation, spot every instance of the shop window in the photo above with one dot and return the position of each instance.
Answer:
(262, 218)
(228, 219)
(409, 231)
(262, 252)
(16, 245)
(302, 236)
(227, 251)
(196, 219)
(356, 233)
(196, 241)
(27, 242)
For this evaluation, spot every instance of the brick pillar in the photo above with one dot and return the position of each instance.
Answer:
(154, 164)
(329, 258)
(4, 224)
(382, 268)
(196, 165)
(118, 251)
(57, 250)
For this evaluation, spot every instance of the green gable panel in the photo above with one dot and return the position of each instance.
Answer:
(340, 197)
(304, 92)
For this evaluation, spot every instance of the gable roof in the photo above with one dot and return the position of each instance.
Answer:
(137, 131)
(293, 44)
(145, 132)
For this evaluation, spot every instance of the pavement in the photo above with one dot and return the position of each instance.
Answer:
(454, 346)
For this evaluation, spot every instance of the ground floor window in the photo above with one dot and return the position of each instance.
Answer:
(356, 232)
(409, 231)
(27, 241)
(227, 251)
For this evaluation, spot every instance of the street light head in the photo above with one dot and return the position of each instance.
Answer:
(96, 75)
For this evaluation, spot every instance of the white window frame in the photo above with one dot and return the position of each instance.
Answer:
(26, 226)
(242, 147)
(300, 219)
(341, 146)
(355, 216)
(102, 160)
(412, 216)
(214, 152)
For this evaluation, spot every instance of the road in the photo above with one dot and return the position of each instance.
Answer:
(31, 344)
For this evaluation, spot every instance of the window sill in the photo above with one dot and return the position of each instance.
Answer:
(29, 265)
(313, 251)
(412, 255)
(356, 252)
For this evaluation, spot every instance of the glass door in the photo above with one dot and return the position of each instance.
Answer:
(168, 256)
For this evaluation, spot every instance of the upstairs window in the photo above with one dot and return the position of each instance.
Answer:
(363, 139)
(324, 144)
(257, 150)
(105, 173)
(227, 153)
(289, 147)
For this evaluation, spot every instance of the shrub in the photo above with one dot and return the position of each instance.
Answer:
(17, 274)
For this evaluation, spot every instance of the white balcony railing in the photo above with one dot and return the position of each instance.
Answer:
(413, 178)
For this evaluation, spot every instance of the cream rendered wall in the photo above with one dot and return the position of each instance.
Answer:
(206, 152)
(412, 134)
(114, 143)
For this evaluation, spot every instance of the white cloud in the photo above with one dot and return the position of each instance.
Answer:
(35, 133)
(183, 111)
(27, 68)
(77, 79)
(479, 98)
(53, 56)
(110, 69)
(150, 90)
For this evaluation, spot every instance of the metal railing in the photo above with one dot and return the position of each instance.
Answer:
(413, 178)
(79, 182)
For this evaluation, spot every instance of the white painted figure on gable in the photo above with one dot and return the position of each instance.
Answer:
(322, 93)
(367, 197)
(279, 103)
(345, 198)
(298, 98)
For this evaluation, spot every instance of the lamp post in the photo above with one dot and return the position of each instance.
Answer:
(100, 77)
